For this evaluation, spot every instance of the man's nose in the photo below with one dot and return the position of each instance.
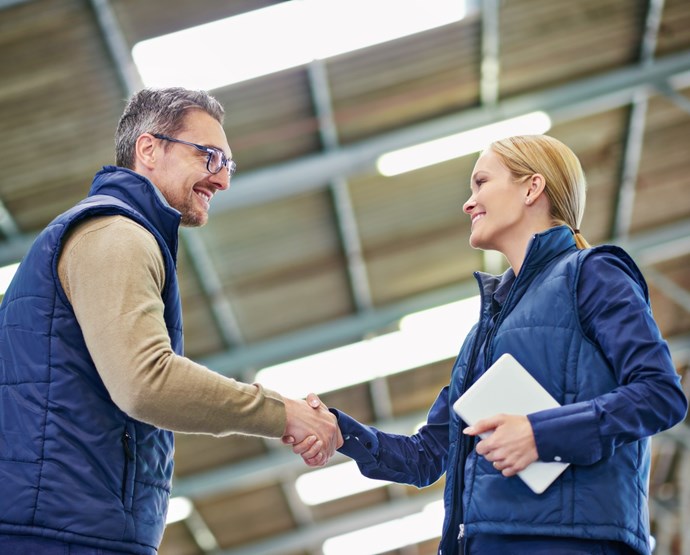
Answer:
(221, 179)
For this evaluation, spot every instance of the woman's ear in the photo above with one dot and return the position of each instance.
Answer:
(535, 188)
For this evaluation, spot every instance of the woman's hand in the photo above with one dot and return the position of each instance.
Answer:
(509, 445)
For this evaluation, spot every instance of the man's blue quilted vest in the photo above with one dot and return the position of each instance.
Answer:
(72, 465)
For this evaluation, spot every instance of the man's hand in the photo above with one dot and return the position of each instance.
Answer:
(510, 445)
(311, 448)
(312, 430)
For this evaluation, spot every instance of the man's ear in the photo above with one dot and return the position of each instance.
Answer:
(535, 188)
(145, 151)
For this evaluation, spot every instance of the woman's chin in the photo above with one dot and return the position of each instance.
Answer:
(475, 241)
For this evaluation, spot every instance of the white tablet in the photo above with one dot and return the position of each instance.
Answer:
(507, 388)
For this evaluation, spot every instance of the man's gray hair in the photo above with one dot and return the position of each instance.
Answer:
(159, 111)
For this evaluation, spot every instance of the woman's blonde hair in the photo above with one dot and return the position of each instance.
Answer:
(525, 155)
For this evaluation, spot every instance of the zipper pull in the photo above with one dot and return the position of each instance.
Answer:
(461, 531)
(125, 443)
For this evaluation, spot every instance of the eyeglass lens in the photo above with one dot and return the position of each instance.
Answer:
(217, 160)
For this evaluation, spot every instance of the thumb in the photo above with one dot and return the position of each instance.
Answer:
(313, 400)
(481, 426)
(288, 440)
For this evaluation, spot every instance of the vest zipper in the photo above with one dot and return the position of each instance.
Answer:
(489, 353)
(465, 442)
(129, 456)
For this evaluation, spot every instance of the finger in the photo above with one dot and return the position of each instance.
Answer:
(500, 464)
(485, 447)
(314, 449)
(319, 459)
(288, 440)
(309, 446)
(501, 467)
(509, 471)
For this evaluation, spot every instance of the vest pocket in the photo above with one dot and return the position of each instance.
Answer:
(128, 451)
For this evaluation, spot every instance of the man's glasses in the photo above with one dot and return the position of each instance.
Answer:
(216, 159)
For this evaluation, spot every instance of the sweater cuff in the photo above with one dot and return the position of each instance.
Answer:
(275, 421)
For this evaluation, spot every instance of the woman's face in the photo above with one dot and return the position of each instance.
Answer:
(496, 206)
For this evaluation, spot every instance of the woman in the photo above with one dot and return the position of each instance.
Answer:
(579, 319)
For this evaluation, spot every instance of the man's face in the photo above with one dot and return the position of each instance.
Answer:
(181, 173)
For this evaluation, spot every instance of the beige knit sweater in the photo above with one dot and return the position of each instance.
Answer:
(113, 273)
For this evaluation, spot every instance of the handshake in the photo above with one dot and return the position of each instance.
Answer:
(312, 430)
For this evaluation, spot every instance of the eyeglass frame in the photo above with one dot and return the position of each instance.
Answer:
(230, 165)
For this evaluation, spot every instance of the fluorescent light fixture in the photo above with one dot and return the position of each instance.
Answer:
(388, 536)
(6, 275)
(179, 508)
(281, 36)
(424, 337)
(334, 482)
(460, 144)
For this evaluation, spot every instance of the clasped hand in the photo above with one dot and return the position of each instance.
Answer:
(510, 446)
(312, 430)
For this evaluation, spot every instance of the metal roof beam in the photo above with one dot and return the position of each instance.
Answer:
(637, 121)
(117, 45)
(200, 259)
(646, 248)
(489, 90)
(490, 65)
(340, 193)
(563, 103)
(313, 536)
(678, 99)
(10, 3)
(669, 288)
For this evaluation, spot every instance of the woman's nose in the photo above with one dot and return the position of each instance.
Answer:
(469, 205)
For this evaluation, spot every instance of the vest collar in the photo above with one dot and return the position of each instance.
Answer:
(542, 248)
(547, 245)
(142, 195)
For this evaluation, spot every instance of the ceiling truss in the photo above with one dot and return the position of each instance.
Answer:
(330, 170)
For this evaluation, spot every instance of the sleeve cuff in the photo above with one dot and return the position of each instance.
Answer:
(360, 442)
(575, 422)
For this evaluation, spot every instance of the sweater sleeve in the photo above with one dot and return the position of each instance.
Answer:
(112, 271)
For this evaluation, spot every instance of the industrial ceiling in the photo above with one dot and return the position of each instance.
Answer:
(311, 248)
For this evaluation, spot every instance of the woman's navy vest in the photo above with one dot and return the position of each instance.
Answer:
(72, 465)
(539, 324)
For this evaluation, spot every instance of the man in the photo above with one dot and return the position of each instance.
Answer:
(92, 376)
